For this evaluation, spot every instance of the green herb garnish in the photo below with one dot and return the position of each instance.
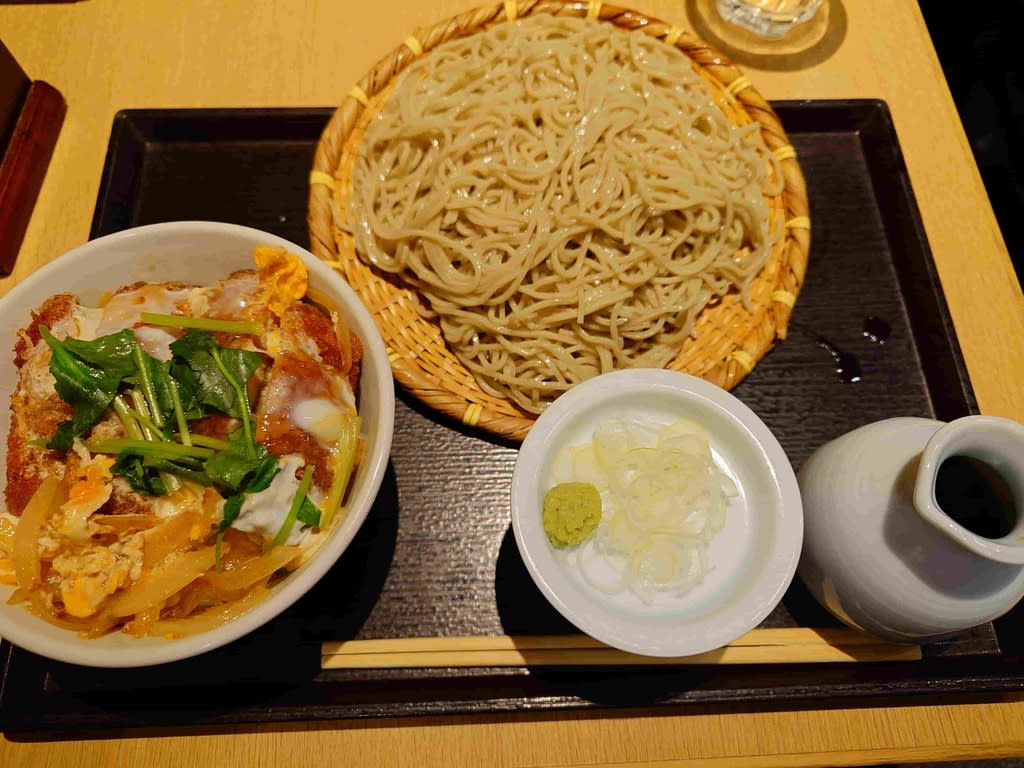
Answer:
(256, 479)
(131, 467)
(87, 376)
(206, 441)
(153, 398)
(293, 512)
(221, 374)
(240, 466)
(156, 449)
(308, 514)
(243, 327)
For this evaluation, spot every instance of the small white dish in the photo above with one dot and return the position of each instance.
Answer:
(194, 252)
(754, 556)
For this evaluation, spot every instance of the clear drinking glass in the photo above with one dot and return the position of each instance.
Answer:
(768, 18)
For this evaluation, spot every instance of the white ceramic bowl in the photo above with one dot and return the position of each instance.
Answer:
(753, 557)
(194, 252)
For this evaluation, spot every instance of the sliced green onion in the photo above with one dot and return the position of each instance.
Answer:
(286, 527)
(348, 445)
(148, 448)
(203, 323)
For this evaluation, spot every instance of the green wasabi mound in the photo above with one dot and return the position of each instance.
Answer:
(571, 513)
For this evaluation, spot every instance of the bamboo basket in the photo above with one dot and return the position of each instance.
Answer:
(728, 340)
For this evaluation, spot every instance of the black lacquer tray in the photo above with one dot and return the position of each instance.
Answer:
(437, 556)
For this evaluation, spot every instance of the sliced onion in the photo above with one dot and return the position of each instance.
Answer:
(209, 618)
(663, 500)
(52, 492)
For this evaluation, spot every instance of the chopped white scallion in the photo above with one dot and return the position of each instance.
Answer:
(663, 499)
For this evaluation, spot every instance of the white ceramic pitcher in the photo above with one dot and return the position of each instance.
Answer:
(880, 552)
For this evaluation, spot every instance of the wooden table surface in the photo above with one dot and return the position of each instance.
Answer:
(105, 55)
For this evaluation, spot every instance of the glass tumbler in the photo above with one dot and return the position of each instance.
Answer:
(768, 18)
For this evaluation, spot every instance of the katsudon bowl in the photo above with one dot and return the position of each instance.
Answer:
(196, 253)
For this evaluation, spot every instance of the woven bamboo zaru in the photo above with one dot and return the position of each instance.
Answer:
(728, 340)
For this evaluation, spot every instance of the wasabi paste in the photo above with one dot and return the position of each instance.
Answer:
(571, 513)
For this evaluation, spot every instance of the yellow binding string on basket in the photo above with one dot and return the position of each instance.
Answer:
(472, 415)
(784, 297)
(319, 177)
(738, 85)
(511, 12)
(785, 152)
(799, 222)
(413, 45)
(593, 9)
(744, 359)
(392, 355)
(359, 95)
(673, 34)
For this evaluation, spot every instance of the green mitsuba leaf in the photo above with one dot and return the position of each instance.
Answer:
(188, 389)
(111, 353)
(87, 375)
(308, 514)
(232, 506)
(258, 479)
(262, 475)
(159, 373)
(213, 368)
(143, 479)
(242, 467)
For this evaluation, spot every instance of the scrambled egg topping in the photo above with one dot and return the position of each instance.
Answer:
(90, 489)
(284, 276)
(89, 576)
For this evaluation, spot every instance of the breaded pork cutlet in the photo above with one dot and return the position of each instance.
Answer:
(306, 357)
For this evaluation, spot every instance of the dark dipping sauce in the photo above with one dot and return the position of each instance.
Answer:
(976, 496)
(847, 365)
(876, 329)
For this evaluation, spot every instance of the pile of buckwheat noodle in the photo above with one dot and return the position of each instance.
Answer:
(565, 196)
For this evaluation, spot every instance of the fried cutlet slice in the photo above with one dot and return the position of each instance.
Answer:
(36, 408)
(307, 368)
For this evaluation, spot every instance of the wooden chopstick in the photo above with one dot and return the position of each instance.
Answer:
(760, 646)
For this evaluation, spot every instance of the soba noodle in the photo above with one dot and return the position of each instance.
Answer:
(567, 198)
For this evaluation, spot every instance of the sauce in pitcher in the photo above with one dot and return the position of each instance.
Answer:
(976, 496)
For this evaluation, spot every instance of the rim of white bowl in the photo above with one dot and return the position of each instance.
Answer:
(78, 651)
(611, 627)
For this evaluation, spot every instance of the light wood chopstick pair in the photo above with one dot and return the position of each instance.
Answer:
(798, 645)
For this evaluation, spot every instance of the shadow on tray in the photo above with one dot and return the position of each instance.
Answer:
(524, 610)
(283, 652)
